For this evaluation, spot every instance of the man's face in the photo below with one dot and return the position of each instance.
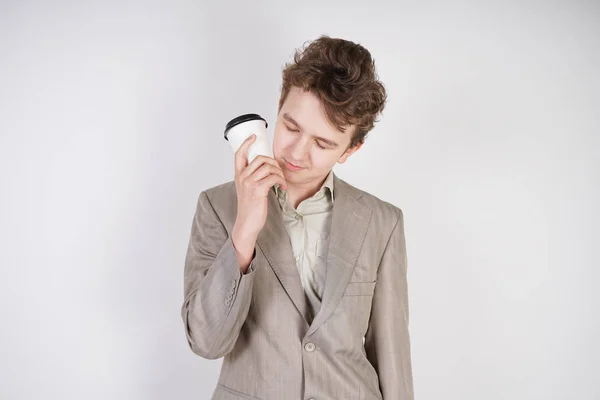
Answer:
(305, 138)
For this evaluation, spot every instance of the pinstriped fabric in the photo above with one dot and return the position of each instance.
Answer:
(308, 227)
(357, 346)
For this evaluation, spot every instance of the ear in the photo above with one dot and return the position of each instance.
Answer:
(349, 152)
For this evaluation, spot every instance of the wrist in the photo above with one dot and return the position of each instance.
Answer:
(244, 244)
(243, 238)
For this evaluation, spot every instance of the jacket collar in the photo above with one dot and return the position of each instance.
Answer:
(327, 185)
(349, 224)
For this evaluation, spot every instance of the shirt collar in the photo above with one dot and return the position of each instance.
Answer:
(328, 183)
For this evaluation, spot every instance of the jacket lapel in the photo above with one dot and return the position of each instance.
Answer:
(275, 243)
(349, 224)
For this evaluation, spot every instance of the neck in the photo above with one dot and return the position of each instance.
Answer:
(296, 194)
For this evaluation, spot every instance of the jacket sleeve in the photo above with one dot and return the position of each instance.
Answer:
(216, 294)
(387, 342)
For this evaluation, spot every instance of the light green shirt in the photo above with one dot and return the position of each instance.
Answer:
(308, 227)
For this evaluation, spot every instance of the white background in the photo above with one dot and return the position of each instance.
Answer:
(111, 122)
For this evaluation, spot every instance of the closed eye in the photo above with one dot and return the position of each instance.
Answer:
(297, 130)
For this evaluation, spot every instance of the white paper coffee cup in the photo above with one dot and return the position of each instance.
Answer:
(239, 128)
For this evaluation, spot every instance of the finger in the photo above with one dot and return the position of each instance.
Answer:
(266, 183)
(263, 171)
(268, 167)
(241, 155)
(257, 162)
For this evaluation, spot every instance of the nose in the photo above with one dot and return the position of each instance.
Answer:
(298, 152)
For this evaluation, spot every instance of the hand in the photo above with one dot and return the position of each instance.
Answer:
(252, 183)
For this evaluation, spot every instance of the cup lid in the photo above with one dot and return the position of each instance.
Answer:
(243, 118)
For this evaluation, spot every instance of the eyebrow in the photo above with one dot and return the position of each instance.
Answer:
(288, 118)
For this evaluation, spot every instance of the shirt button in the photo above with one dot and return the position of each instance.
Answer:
(310, 347)
(298, 216)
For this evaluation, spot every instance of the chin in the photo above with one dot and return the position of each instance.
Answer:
(293, 177)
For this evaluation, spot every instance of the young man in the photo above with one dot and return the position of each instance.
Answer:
(293, 275)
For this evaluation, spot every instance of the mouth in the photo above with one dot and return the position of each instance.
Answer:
(292, 167)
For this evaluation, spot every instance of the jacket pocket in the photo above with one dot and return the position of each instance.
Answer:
(360, 288)
(226, 393)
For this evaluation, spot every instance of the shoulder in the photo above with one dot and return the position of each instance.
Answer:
(223, 192)
(220, 200)
(383, 211)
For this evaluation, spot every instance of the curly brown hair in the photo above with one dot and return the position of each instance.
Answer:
(342, 75)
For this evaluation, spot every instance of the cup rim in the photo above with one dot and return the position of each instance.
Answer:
(243, 118)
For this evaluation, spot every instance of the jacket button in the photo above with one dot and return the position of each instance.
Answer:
(310, 347)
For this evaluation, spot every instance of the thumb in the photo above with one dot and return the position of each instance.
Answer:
(241, 155)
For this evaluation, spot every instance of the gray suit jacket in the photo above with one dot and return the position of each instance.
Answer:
(357, 347)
